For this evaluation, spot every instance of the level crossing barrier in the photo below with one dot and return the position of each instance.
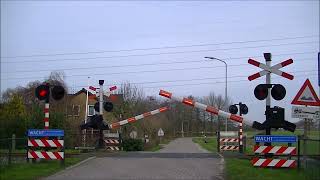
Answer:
(45, 144)
(266, 155)
(113, 141)
(228, 141)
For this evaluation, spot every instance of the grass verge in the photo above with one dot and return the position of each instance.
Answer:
(31, 171)
(211, 144)
(242, 169)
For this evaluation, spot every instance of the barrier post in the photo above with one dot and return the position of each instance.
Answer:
(218, 141)
(10, 151)
(299, 152)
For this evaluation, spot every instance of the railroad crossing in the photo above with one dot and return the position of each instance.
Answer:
(180, 159)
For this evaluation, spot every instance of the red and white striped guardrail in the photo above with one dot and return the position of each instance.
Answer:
(275, 150)
(207, 108)
(45, 155)
(273, 69)
(112, 141)
(278, 163)
(229, 140)
(46, 116)
(113, 148)
(229, 147)
(45, 143)
(136, 118)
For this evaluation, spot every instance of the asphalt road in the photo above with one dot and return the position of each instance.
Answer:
(180, 159)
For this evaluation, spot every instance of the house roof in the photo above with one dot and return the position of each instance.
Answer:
(115, 98)
(83, 90)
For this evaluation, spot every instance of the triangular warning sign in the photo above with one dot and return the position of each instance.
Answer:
(306, 96)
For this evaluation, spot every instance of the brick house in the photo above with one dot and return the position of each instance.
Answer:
(76, 107)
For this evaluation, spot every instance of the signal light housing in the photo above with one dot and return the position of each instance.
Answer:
(243, 108)
(107, 106)
(42, 92)
(278, 92)
(233, 109)
(261, 91)
(57, 92)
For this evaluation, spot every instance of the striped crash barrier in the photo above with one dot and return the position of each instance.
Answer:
(207, 108)
(229, 147)
(112, 144)
(278, 150)
(136, 118)
(269, 162)
(229, 140)
(45, 155)
(45, 143)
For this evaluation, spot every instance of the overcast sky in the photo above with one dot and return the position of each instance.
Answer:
(153, 43)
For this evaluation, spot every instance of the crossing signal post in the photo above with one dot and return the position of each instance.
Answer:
(275, 115)
(43, 92)
(243, 109)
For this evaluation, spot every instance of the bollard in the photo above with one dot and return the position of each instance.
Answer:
(13, 142)
(299, 152)
(9, 155)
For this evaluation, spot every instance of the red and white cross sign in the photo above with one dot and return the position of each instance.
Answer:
(273, 69)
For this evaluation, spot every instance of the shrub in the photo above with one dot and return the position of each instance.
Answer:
(132, 144)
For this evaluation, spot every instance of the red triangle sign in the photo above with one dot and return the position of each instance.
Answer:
(306, 96)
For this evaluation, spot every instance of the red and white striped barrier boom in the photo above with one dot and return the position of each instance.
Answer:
(45, 142)
(45, 155)
(136, 118)
(46, 115)
(278, 163)
(207, 108)
(275, 150)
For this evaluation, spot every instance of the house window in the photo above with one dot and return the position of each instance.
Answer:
(73, 110)
(76, 110)
(91, 110)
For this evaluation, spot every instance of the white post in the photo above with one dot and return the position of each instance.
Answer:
(101, 97)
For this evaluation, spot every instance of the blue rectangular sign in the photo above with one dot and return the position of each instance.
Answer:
(45, 132)
(271, 138)
(319, 68)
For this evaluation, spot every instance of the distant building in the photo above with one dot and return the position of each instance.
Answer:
(76, 107)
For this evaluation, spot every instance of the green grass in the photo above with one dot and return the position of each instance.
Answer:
(166, 141)
(242, 169)
(211, 144)
(154, 148)
(30, 171)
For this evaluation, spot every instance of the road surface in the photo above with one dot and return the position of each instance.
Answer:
(180, 159)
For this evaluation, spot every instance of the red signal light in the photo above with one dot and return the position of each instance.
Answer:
(261, 91)
(42, 92)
